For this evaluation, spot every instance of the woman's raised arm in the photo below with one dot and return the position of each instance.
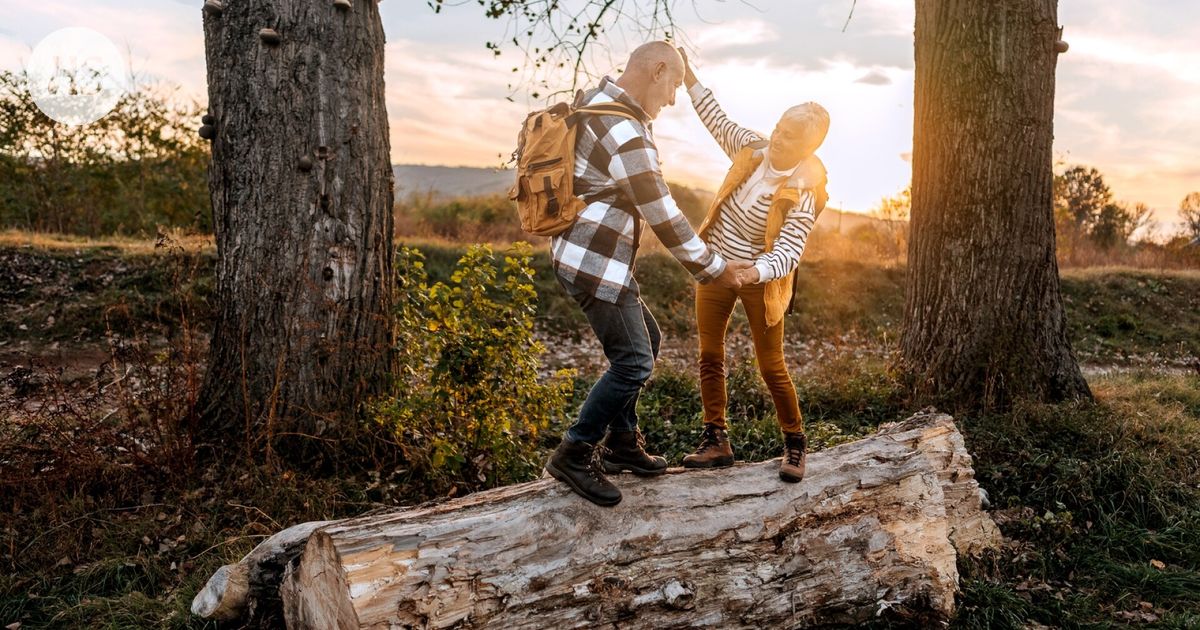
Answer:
(727, 133)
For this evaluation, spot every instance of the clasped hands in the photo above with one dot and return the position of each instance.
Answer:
(738, 273)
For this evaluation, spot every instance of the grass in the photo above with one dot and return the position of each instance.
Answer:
(72, 289)
(104, 559)
(1102, 506)
(1116, 314)
(843, 399)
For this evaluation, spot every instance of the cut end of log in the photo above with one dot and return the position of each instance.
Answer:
(316, 594)
(224, 597)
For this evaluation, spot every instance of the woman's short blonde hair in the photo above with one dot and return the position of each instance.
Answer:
(810, 117)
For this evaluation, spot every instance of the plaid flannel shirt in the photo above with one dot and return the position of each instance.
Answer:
(617, 174)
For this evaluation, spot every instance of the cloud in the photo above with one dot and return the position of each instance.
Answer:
(13, 53)
(162, 40)
(741, 32)
(1126, 94)
(449, 107)
(1137, 52)
(876, 18)
(874, 77)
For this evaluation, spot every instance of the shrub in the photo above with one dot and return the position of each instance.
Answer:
(468, 404)
(139, 167)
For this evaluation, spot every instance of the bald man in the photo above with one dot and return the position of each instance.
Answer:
(618, 176)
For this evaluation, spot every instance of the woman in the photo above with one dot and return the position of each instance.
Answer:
(763, 213)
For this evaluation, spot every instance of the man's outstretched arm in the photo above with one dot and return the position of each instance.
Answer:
(634, 167)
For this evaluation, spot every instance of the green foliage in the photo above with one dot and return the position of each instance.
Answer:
(468, 406)
(139, 167)
(854, 394)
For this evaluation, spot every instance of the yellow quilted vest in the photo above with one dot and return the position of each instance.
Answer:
(777, 294)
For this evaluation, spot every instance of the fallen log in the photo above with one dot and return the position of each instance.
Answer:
(873, 529)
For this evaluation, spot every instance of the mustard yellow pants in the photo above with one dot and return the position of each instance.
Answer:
(714, 305)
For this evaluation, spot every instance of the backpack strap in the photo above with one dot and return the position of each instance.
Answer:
(613, 108)
(603, 109)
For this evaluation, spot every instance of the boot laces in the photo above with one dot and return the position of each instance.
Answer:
(595, 464)
(793, 452)
(709, 438)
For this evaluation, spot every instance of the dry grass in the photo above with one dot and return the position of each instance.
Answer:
(125, 244)
(1092, 273)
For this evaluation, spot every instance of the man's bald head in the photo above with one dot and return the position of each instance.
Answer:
(652, 75)
(648, 56)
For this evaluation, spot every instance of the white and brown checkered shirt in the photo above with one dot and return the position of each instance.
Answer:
(617, 174)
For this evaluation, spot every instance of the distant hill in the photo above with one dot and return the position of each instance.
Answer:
(470, 181)
(450, 181)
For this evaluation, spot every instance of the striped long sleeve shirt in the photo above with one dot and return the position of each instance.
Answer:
(618, 175)
(739, 232)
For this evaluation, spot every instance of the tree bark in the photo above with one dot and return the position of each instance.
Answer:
(983, 319)
(302, 190)
(874, 527)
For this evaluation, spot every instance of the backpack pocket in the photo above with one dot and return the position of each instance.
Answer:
(545, 205)
(546, 185)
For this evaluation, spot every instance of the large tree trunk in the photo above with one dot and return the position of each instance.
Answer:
(301, 186)
(874, 527)
(983, 319)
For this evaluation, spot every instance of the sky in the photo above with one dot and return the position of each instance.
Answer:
(1127, 99)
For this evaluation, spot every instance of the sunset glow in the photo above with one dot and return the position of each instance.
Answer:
(1127, 93)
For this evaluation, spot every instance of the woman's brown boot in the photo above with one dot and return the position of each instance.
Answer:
(795, 446)
(714, 450)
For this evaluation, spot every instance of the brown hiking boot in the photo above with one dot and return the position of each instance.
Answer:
(795, 445)
(577, 464)
(714, 450)
(626, 451)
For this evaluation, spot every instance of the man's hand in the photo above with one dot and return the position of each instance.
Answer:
(689, 78)
(748, 275)
(731, 278)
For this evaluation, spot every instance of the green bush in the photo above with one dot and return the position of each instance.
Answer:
(468, 404)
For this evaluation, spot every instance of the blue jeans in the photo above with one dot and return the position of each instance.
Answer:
(630, 338)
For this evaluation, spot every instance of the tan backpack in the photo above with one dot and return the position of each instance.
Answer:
(545, 156)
